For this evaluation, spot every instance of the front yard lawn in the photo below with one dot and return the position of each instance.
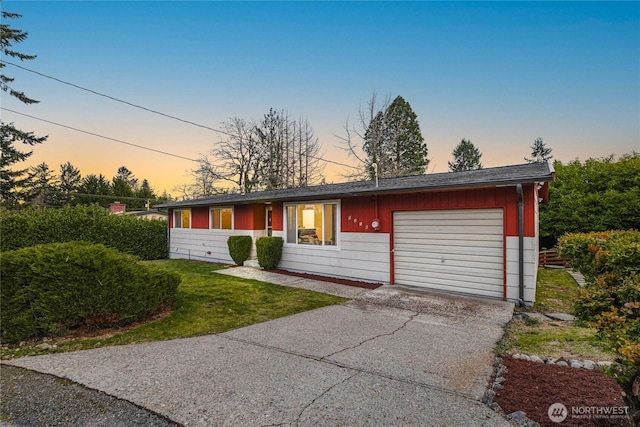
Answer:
(206, 303)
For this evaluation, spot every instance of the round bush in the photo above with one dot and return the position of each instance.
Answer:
(239, 248)
(269, 251)
(49, 289)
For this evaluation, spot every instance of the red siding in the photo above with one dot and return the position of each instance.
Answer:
(358, 212)
(249, 217)
(277, 217)
(200, 217)
(170, 218)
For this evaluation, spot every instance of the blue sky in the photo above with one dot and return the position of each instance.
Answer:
(500, 74)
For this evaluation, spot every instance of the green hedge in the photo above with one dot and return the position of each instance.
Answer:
(49, 289)
(598, 253)
(269, 251)
(239, 248)
(610, 300)
(147, 239)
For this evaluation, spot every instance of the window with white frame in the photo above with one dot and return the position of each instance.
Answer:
(312, 223)
(221, 218)
(181, 218)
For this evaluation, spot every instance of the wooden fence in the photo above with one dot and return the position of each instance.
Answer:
(551, 258)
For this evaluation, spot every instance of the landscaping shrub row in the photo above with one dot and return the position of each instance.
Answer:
(146, 239)
(610, 262)
(49, 289)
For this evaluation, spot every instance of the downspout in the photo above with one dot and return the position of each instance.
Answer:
(520, 245)
(169, 214)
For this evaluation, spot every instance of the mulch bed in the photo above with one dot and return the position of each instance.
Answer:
(533, 387)
(347, 282)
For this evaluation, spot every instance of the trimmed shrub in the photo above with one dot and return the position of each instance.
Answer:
(49, 289)
(604, 252)
(239, 248)
(146, 239)
(610, 301)
(269, 251)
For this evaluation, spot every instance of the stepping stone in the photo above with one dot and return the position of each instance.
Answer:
(538, 316)
(579, 278)
(561, 316)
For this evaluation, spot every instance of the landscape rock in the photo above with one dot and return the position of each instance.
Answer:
(536, 359)
(565, 317)
(519, 417)
(537, 316)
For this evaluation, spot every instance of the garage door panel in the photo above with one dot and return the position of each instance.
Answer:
(456, 285)
(479, 263)
(453, 213)
(447, 244)
(440, 270)
(471, 241)
(440, 234)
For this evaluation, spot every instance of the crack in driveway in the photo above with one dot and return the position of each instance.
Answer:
(372, 338)
(297, 421)
(324, 359)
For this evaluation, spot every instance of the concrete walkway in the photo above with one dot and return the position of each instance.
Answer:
(294, 281)
(388, 357)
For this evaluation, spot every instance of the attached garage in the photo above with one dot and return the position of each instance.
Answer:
(459, 250)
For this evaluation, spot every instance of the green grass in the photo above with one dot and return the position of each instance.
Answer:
(552, 339)
(206, 303)
(556, 291)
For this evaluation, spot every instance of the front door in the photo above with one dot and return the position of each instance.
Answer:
(268, 215)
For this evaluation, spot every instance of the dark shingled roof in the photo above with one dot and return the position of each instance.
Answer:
(490, 177)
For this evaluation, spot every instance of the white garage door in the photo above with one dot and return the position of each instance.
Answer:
(455, 250)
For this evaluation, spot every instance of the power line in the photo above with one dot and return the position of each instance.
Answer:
(116, 99)
(131, 104)
(100, 136)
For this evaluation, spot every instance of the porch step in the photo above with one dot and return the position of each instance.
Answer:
(252, 263)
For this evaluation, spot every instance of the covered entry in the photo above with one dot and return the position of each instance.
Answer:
(459, 250)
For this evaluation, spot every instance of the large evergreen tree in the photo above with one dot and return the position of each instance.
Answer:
(93, 188)
(465, 157)
(43, 191)
(394, 143)
(539, 152)
(13, 181)
(70, 179)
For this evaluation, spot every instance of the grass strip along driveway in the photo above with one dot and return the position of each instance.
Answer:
(206, 303)
(556, 292)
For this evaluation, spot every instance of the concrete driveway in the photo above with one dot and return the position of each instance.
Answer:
(391, 356)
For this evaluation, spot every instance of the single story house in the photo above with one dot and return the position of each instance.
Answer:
(472, 232)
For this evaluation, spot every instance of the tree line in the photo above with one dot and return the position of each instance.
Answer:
(42, 187)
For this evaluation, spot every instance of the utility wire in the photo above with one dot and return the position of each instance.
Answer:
(115, 99)
(101, 136)
(144, 108)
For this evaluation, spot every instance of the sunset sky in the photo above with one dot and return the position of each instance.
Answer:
(500, 74)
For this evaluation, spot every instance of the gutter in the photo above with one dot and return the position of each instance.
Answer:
(520, 245)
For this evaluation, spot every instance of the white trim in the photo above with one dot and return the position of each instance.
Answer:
(173, 213)
(336, 225)
(233, 224)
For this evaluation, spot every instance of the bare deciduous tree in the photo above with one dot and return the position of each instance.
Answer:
(274, 153)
